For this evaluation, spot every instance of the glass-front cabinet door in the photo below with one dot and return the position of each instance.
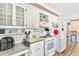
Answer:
(12, 15)
(5, 14)
(9, 10)
(2, 14)
(19, 16)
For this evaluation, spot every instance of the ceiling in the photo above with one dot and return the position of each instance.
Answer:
(68, 11)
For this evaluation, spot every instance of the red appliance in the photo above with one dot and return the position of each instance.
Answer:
(56, 32)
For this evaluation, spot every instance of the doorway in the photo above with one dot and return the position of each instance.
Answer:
(68, 37)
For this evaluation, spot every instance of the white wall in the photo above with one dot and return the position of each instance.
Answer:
(67, 10)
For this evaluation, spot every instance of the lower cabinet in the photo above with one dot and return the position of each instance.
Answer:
(37, 49)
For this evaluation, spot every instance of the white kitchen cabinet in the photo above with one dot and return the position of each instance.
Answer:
(12, 15)
(20, 15)
(5, 14)
(2, 14)
(44, 19)
(9, 15)
(32, 17)
(37, 49)
(35, 20)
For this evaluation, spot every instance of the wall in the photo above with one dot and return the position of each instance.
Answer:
(75, 25)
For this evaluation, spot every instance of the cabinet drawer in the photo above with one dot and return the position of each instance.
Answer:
(38, 44)
(37, 49)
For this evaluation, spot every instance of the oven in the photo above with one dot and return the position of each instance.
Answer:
(50, 46)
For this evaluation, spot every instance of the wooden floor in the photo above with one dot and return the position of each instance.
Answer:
(75, 51)
(72, 50)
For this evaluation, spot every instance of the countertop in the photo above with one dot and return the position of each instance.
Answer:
(33, 40)
(16, 49)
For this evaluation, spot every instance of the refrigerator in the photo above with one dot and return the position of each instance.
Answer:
(61, 40)
(58, 30)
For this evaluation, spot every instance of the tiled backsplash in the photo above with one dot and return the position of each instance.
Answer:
(18, 35)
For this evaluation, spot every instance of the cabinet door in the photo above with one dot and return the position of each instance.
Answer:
(2, 14)
(19, 16)
(9, 12)
(44, 19)
(5, 14)
(37, 49)
(32, 17)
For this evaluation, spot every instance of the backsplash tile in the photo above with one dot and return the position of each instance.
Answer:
(17, 34)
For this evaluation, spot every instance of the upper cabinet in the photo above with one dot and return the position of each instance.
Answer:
(32, 17)
(9, 14)
(20, 15)
(37, 18)
(44, 20)
(5, 14)
(12, 15)
(23, 15)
